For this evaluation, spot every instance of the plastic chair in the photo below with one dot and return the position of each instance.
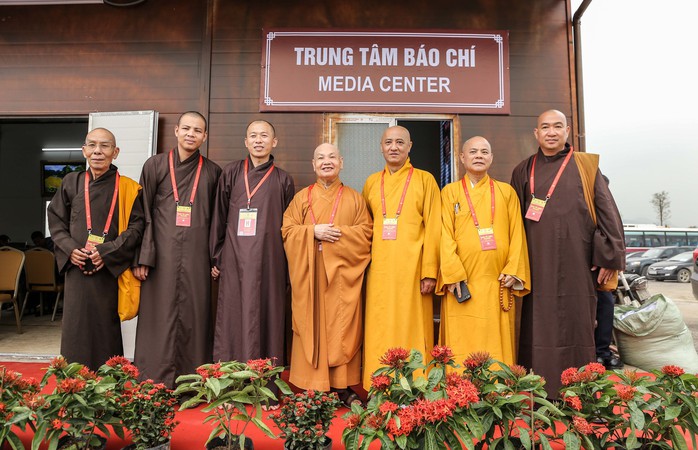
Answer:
(11, 263)
(41, 274)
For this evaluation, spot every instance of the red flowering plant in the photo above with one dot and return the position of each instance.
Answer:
(304, 418)
(19, 400)
(409, 410)
(148, 412)
(235, 393)
(81, 404)
(662, 411)
(506, 407)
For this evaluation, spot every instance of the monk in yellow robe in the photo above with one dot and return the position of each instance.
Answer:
(327, 237)
(405, 205)
(483, 243)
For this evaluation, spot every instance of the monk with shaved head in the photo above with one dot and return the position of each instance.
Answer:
(327, 237)
(575, 242)
(96, 221)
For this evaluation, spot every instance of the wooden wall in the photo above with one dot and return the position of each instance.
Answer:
(176, 55)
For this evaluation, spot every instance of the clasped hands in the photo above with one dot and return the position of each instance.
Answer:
(79, 257)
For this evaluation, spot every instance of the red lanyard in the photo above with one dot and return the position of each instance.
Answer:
(470, 203)
(334, 208)
(404, 192)
(557, 177)
(88, 210)
(174, 181)
(247, 183)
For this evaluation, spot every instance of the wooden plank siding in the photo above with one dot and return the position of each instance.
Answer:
(176, 55)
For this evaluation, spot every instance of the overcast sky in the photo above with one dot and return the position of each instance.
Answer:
(641, 102)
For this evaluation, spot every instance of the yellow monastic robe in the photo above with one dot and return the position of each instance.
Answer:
(326, 284)
(397, 314)
(480, 324)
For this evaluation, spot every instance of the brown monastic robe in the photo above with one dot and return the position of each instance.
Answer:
(326, 282)
(174, 321)
(253, 283)
(91, 329)
(557, 323)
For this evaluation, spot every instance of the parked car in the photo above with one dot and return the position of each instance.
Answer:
(694, 277)
(640, 264)
(675, 268)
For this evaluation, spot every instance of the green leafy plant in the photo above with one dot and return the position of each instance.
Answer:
(81, 404)
(235, 393)
(407, 409)
(148, 412)
(305, 417)
(19, 399)
(509, 397)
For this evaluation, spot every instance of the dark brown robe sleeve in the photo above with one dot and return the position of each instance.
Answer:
(59, 212)
(608, 249)
(146, 255)
(219, 219)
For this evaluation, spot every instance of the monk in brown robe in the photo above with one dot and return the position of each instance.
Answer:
(174, 332)
(248, 254)
(327, 236)
(91, 330)
(569, 255)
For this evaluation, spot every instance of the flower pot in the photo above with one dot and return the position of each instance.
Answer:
(325, 445)
(67, 442)
(165, 446)
(218, 443)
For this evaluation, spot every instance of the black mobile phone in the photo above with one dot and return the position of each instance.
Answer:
(89, 266)
(464, 292)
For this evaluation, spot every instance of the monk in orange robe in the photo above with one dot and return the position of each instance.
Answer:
(327, 237)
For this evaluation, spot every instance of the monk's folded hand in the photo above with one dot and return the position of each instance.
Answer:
(454, 288)
(78, 256)
(140, 272)
(215, 272)
(326, 232)
(604, 274)
(427, 285)
(507, 280)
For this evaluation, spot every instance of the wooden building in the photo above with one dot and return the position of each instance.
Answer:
(60, 63)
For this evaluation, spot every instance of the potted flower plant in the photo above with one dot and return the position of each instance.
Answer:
(407, 409)
(235, 393)
(304, 419)
(19, 398)
(670, 411)
(148, 413)
(81, 404)
(509, 396)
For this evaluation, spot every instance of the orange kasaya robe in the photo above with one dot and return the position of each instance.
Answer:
(397, 314)
(480, 324)
(326, 282)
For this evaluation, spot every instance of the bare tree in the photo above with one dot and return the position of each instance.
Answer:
(662, 205)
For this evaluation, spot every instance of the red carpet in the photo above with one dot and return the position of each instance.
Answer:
(191, 433)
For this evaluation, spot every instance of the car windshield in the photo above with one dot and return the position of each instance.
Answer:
(682, 257)
(653, 253)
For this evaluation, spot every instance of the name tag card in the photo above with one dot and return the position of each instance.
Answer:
(535, 209)
(93, 241)
(247, 222)
(487, 241)
(183, 216)
(390, 229)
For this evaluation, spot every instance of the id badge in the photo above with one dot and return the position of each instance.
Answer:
(535, 209)
(183, 216)
(487, 241)
(247, 222)
(93, 241)
(390, 229)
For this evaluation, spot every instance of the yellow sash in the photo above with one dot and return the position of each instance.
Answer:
(129, 285)
(588, 164)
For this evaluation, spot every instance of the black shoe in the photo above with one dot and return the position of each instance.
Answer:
(613, 362)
